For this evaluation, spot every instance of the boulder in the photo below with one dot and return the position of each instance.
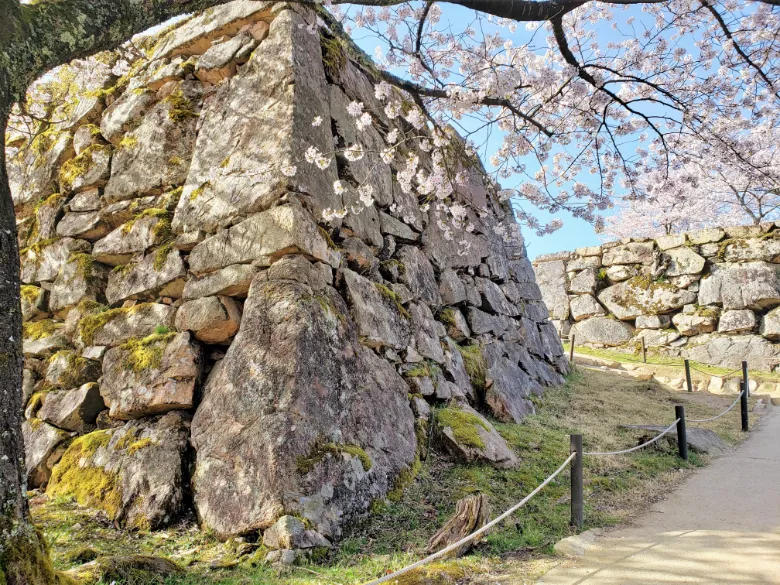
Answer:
(46, 215)
(653, 321)
(670, 241)
(632, 253)
(33, 300)
(493, 299)
(683, 261)
(211, 319)
(730, 351)
(79, 279)
(138, 235)
(160, 273)
(737, 321)
(156, 155)
(150, 376)
(125, 114)
(602, 331)
(481, 322)
(84, 137)
(451, 288)
(109, 327)
(340, 411)
(221, 60)
(67, 369)
(699, 440)
(427, 332)
(43, 338)
(397, 228)
(89, 169)
(289, 532)
(417, 274)
(551, 277)
(32, 172)
(643, 296)
(380, 318)
(72, 410)
(580, 263)
(706, 236)
(656, 337)
(231, 281)
(243, 152)
(766, 249)
(269, 235)
(584, 282)
(770, 325)
(585, 307)
(43, 448)
(43, 261)
(469, 437)
(695, 324)
(751, 285)
(134, 473)
(87, 225)
(621, 273)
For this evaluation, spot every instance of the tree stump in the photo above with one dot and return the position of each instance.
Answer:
(471, 513)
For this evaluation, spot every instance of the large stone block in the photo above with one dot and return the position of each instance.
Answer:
(269, 235)
(79, 279)
(150, 376)
(752, 285)
(643, 296)
(134, 473)
(134, 237)
(683, 261)
(551, 277)
(159, 273)
(469, 437)
(72, 410)
(632, 253)
(43, 447)
(43, 261)
(109, 327)
(291, 425)
(508, 394)
(602, 331)
(730, 351)
(418, 275)
(211, 319)
(585, 307)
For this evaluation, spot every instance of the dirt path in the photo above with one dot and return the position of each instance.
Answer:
(721, 526)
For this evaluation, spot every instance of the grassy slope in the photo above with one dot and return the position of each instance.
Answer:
(593, 403)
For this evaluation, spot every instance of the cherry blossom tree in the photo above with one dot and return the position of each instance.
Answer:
(572, 101)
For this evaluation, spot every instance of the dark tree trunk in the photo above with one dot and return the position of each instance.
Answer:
(23, 556)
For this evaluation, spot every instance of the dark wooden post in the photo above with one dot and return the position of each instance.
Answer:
(571, 348)
(644, 351)
(688, 376)
(743, 406)
(577, 503)
(745, 379)
(682, 435)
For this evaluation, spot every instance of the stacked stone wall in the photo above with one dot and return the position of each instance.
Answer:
(710, 295)
(196, 335)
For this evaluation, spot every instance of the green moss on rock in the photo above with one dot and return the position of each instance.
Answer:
(145, 353)
(464, 426)
(305, 464)
(36, 330)
(476, 366)
(393, 297)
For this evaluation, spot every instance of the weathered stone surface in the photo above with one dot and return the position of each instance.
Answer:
(621, 273)
(481, 322)
(451, 288)
(125, 113)
(653, 321)
(694, 324)
(656, 337)
(340, 411)
(770, 325)
(66, 369)
(683, 261)
(116, 326)
(158, 273)
(231, 281)
(211, 319)
(493, 298)
(157, 153)
(443, 251)
(295, 267)
(730, 351)
(469, 436)
(87, 225)
(88, 170)
(33, 301)
(141, 464)
(31, 176)
(71, 410)
(88, 200)
(221, 60)
(79, 279)
(602, 331)
(45, 344)
(507, 394)
(699, 440)
(43, 263)
(737, 321)
(198, 34)
(397, 228)
(251, 146)
(426, 337)
(137, 236)
(585, 307)
(551, 277)
(579, 263)
(274, 233)
(706, 236)
(752, 285)
(766, 249)
(669, 242)
(43, 447)
(457, 326)
(418, 275)
(290, 533)
(376, 312)
(642, 296)
(633, 253)
(150, 376)
(585, 282)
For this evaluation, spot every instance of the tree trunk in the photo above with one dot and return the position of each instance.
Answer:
(24, 559)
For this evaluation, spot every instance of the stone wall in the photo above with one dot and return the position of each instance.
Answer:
(197, 336)
(710, 296)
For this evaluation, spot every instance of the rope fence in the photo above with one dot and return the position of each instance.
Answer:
(575, 459)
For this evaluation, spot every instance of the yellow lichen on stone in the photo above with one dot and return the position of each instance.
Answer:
(76, 167)
(179, 106)
(146, 353)
(39, 329)
(305, 464)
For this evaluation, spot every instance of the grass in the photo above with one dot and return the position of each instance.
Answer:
(662, 360)
(593, 403)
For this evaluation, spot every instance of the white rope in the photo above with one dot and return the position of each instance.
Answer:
(650, 442)
(702, 420)
(475, 534)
